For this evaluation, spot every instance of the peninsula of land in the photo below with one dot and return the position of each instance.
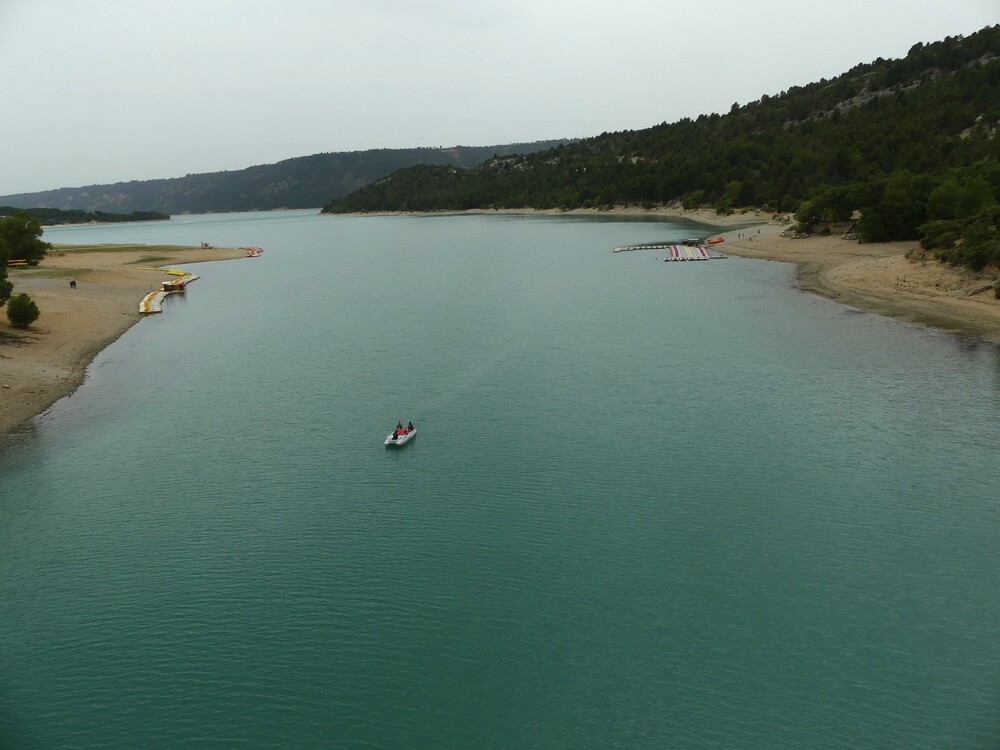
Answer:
(48, 360)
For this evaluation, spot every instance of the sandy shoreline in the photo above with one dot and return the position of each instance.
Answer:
(876, 277)
(41, 364)
(47, 361)
(879, 278)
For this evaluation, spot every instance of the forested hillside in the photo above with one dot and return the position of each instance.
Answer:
(907, 141)
(52, 216)
(302, 182)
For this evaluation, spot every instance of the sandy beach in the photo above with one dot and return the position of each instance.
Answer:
(48, 360)
(877, 277)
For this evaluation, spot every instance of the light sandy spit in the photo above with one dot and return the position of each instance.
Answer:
(48, 360)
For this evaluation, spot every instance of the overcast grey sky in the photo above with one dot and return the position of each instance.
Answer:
(101, 91)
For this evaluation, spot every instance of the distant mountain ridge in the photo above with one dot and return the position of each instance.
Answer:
(52, 216)
(299, 182)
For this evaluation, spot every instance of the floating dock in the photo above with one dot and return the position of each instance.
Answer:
(676, 252)
(153, 302)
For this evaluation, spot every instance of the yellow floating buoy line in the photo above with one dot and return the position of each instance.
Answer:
(153, 302)
(171, 271)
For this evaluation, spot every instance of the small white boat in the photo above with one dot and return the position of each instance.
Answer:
(402, 438)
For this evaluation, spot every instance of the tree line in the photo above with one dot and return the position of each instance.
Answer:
(20, 240)
(53, 216)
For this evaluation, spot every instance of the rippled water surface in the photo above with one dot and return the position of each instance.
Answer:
(649, 505)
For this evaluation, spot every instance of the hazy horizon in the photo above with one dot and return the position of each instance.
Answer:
(160, 90)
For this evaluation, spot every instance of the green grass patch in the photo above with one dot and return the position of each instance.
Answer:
(56, 249)
(150, 260)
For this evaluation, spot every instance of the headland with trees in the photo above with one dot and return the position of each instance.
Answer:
(911, 144)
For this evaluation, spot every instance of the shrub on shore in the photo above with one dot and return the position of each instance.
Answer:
(940, 234)
(22, 311)
(21, 237)
(980, 241)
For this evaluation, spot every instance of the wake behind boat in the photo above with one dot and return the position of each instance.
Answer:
(401, 435)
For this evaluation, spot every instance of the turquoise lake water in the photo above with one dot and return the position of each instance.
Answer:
(650, 505)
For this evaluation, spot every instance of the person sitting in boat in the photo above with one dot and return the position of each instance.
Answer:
(395, 434)
(399, 425)
(409, 427)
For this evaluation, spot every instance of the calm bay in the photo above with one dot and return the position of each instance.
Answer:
(649, 505)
